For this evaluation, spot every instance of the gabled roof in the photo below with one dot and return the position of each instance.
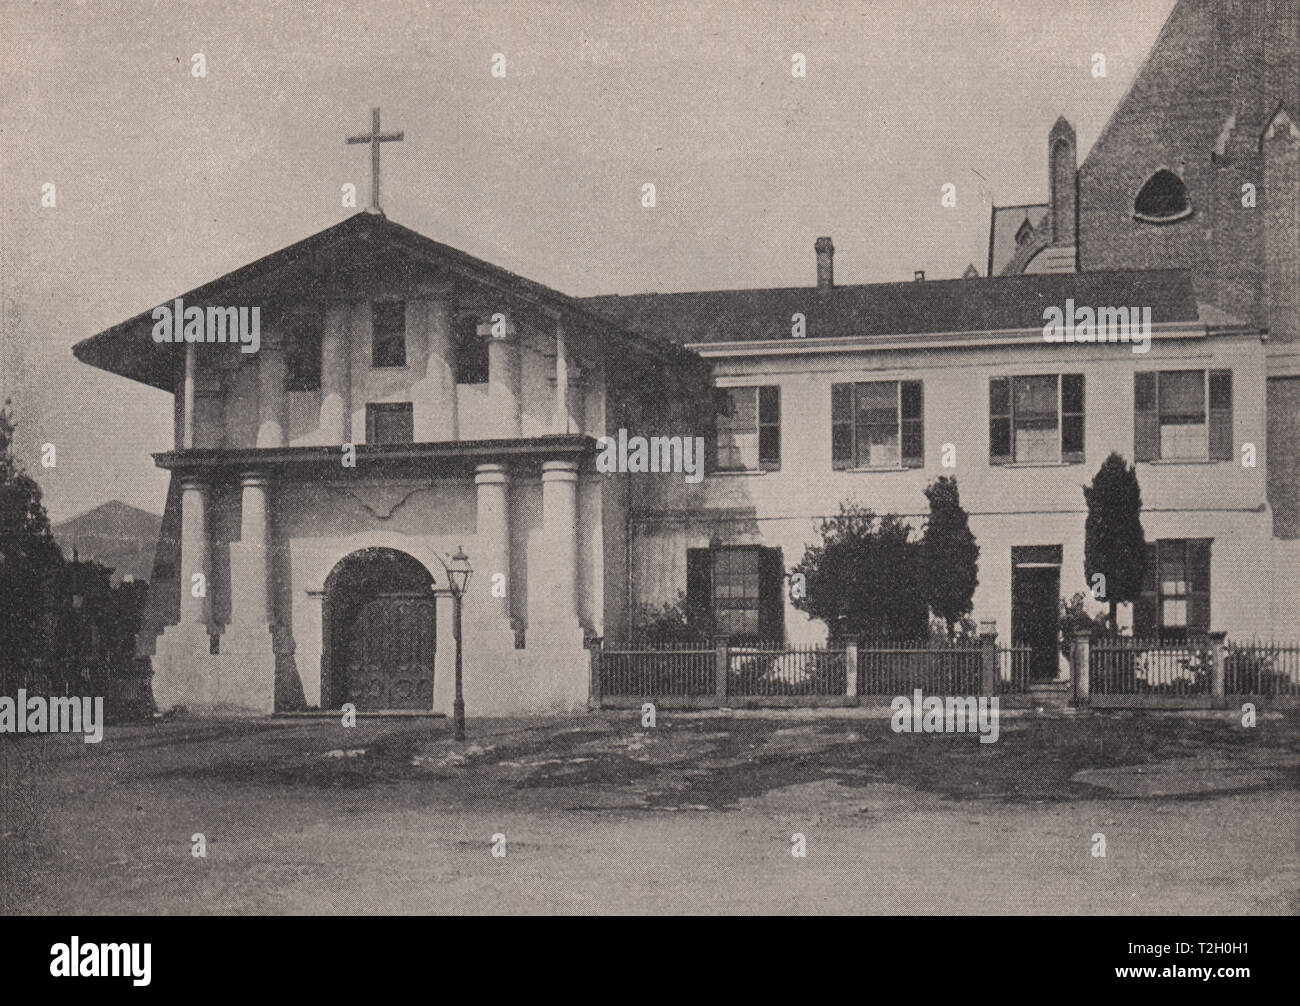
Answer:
(364, 245)
(884, 309)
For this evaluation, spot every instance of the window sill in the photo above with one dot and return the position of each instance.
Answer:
(881, 468)
(1186, 461)
(396, 366)
(743, 471)
(1038, 464)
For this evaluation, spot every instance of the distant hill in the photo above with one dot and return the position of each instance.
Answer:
(120, 536)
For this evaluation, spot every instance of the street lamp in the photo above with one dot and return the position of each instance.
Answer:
(458, 574)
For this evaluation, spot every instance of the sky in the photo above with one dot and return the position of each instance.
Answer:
(165, 181)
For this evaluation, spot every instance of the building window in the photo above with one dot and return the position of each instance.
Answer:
(471, 363)
(748, 429)
(1036, 418)
(1163, 199)
(388, 333)
(389, 423)
(303, 345)
(1171, 420)
(1175, 599)
(737, 592)
(877, 425)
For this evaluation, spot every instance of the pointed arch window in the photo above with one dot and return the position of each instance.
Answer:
(1162, 199)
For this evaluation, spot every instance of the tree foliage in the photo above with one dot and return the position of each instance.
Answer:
(949, 555)
(863, 579)
(1114, 542)
(30, 561)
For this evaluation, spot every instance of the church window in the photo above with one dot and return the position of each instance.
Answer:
(389, 423)
(388, 333)
(1162, 199)
(303, 356)
(471, 352)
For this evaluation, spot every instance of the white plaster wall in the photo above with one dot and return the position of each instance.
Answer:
(1008, 506)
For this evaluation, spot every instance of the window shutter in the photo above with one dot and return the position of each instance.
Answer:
(1146, 418)
(769, 428)
(721, 413)
(1198, 590)
(1000, 421)
(841, 426)
(913, 425)
(1146, 608)
(1221, 446)
(699, 590)
(771, 594)
(1072, 413)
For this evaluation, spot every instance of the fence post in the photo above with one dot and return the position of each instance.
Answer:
(720, 668)
(851, 668)
(1080, 665)
(593, 653)
(1218, 671)
(989, 670)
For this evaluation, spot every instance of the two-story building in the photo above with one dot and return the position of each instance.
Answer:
(893, 385)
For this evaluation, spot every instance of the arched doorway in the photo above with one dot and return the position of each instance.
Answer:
(379, 632)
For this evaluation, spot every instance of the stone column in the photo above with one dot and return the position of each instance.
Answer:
(272, 424)
(336, 377)
(249, 575)
(560, 423)
(188, 379)
(195, 557)
(492, 484)
(434, 395)
(247, 666)
(568, 415)
(557, 590)
(503, 380)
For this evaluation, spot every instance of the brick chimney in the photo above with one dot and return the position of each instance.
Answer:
(825, 263)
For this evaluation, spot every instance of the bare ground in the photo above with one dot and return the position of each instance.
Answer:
(696, 814)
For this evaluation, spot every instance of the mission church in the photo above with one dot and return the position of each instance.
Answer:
(407, 399)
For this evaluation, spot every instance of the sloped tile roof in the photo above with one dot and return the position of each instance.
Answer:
(882, 309)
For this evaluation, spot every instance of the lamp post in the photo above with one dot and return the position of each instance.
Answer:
(458, 574)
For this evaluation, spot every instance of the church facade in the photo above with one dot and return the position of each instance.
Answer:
(406, 399)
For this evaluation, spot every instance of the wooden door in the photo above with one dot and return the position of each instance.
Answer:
(388, 648)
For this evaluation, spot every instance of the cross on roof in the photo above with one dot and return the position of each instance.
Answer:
(375, 138)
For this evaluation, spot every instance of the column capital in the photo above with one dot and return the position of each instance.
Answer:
(491, 474)
(194, 483)
(255, 478)
(559, 471)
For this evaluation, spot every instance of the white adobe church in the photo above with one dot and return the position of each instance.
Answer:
(406, 399)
